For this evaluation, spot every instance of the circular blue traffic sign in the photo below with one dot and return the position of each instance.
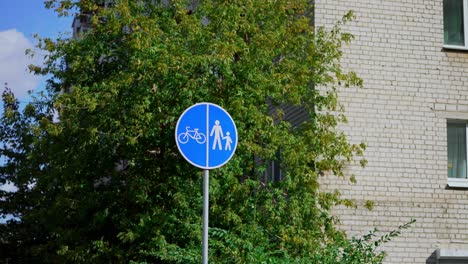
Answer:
(206, 135)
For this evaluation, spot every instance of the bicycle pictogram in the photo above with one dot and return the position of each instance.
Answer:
(184, 137)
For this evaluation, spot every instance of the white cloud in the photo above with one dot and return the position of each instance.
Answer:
(14, 63)
(9, 187)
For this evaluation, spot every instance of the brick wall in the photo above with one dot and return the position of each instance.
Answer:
(410, 88)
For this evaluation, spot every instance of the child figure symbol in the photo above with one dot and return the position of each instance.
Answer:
(228, 141)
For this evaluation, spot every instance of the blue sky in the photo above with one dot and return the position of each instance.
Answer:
(20, 20)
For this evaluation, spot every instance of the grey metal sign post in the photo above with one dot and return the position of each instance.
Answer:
(206, 137)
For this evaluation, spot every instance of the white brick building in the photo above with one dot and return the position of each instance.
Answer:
(413, 89)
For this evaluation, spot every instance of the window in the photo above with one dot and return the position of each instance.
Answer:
(273, 171)
(296, 115)
(455, 24)
(451, 256)
(457, 154)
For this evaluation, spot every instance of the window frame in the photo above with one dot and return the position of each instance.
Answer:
(458, 182)
(465, 28)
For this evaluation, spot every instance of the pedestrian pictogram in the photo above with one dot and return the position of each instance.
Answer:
(217, 131)
(228, 141)
(206, 135)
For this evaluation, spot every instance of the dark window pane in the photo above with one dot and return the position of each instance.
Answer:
(453, 23)
(456, 146)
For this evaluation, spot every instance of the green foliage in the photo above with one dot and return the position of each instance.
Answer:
(105, 183)
(363, 250)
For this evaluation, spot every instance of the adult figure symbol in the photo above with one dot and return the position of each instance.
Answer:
(217, 131)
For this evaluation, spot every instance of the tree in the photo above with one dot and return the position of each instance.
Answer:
(104, 183)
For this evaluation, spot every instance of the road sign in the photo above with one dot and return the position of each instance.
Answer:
(206, 135)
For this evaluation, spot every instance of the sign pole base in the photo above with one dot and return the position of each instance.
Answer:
(206, 186)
